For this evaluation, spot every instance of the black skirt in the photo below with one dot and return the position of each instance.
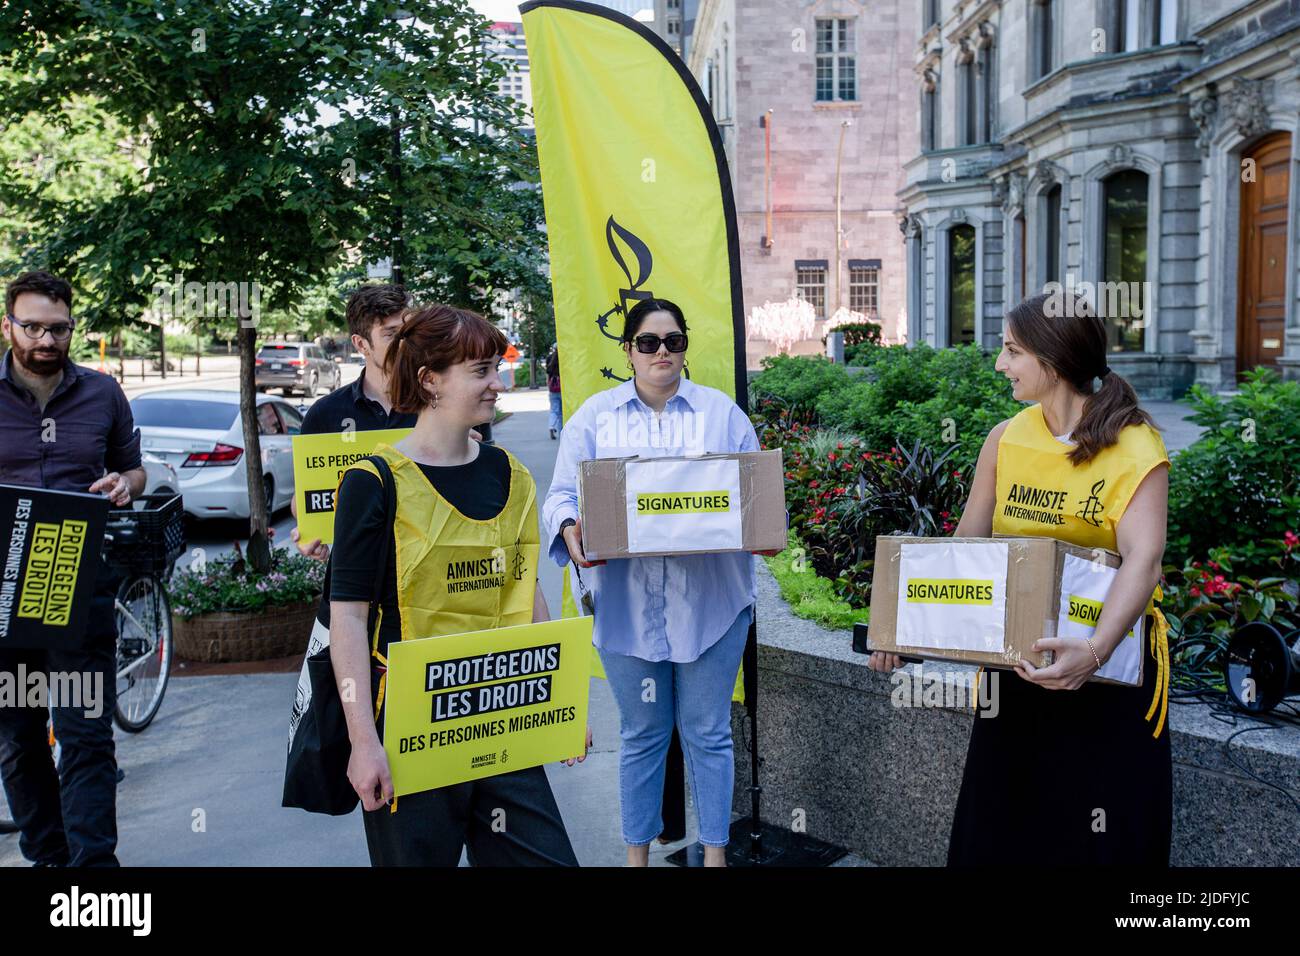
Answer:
(1066, 777)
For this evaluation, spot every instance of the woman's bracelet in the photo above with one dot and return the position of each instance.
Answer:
(1094, 652)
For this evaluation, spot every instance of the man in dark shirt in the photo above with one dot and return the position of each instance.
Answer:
(374, 314)
(64, 428)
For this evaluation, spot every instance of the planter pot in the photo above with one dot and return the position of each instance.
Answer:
(225, 636)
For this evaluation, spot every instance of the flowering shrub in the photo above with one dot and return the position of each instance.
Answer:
(1206, 601)
(1238, 485)
(841, 494)
(227, 583)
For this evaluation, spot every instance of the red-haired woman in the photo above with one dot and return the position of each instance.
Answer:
(1064, 771)
(472, 500)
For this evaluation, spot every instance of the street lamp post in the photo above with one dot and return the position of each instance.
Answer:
(839, 227)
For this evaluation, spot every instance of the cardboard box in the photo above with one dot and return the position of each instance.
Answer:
(986, 600)
(704, 504)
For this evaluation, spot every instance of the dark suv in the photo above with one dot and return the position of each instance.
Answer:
(295, 366)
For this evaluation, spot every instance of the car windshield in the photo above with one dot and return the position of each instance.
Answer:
(278, 352)
(184, 413)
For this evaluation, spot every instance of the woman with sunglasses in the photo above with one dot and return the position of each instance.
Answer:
(669, 630)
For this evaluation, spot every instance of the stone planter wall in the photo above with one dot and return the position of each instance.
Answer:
(224, 636)
(883, 781)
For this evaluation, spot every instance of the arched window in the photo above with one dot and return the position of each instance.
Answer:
(1121, 300)
(961, 285)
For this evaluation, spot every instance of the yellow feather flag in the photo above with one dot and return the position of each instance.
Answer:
(638, 200)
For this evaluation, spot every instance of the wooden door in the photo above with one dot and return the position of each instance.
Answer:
(1261, 300)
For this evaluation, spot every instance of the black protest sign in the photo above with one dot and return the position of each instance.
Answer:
(52, 542)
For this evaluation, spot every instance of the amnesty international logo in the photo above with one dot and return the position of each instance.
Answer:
(636, 266)
(517, 563)
(1091, 506)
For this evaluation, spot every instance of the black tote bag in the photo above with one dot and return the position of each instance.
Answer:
(316, 770)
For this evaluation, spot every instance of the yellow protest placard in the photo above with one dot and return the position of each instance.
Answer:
(318, 463)
(473, 705)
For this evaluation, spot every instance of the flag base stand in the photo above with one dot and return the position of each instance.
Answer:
(771, 846)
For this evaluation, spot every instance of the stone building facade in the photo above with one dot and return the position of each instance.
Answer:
(795, 86)
(1141, 151)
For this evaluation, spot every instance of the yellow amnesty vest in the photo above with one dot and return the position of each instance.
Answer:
(1039, 492)
(456, 574)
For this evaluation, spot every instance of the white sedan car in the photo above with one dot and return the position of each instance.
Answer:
(198, 433)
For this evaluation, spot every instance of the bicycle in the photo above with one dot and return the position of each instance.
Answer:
(143, 542)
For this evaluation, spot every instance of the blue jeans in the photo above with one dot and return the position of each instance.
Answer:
(651, 697)
(557, 415)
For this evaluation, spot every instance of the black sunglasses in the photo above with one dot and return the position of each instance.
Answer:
(648, 343)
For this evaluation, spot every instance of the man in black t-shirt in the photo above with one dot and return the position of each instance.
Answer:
(374, 314)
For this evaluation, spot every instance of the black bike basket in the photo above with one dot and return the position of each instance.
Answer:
(148, 536)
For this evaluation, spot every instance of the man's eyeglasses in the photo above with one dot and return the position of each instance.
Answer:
(647, 343)
(59, 331)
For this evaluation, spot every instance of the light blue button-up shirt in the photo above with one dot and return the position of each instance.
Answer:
(661, 608)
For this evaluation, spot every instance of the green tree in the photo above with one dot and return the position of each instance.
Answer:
(266, 132)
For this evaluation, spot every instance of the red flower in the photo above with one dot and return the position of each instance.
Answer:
(893, 449)
(831, 456)
(1213, 564)
(943, 514)
(1290, 540)
(848, 464)
(789, 474)
(1196, 592)
(956, 474)
(1218, 579)
(814, 483)
(839, 445)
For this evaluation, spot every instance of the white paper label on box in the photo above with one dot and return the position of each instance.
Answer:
(1084, 585)
(953, 596)
(683, 505)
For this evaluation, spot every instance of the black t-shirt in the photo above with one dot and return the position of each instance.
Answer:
(477, 489)
(348, 407)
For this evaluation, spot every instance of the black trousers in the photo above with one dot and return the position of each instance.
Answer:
(67, 816)
(1066, 778)
(507, 820)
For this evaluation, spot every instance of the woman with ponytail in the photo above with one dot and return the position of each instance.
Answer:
(1060, 770)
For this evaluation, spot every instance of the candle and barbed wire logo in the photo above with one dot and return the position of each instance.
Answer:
(643, 262)
(1091, 507)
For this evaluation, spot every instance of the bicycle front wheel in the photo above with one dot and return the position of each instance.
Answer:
(144, 650)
